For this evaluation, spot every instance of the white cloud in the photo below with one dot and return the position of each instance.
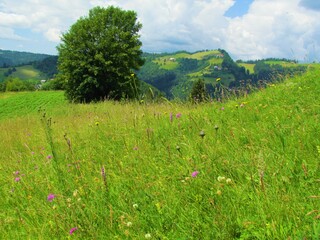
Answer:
(271, 28)
(9, 34)
(53, 35)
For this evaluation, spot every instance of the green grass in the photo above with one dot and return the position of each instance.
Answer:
(26, 103)
(168, 64)
(258, 168)
(26, 72)
(248, 66)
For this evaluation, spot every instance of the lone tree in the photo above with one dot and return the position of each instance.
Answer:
(198, 91)
(98, 54)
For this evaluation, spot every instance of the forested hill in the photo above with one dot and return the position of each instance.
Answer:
(174, 74)
(13, 58)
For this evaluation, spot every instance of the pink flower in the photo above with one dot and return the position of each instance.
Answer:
(72, 230)
(171, 117)
(16, 173)
(178, 115)
(49, 156)
(222, 109)
(51, 197)
(17, 179)
(195, 173)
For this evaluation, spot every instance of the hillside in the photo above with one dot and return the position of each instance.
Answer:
(243, 169)
(175, 73)
(14, 58)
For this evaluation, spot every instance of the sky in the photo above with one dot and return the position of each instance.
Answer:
(246, 29)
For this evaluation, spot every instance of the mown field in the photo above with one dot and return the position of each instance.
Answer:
(25, 72)
(243, 169)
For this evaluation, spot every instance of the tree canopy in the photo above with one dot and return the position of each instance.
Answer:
(98, 54)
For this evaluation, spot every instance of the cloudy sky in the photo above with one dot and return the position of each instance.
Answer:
(247, 29)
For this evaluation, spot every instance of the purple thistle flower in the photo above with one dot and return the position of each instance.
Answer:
(72, 230)
(51, 197)
(178, 115)
(195, 173)
(16, 173)
(17, 179)
(49, 157)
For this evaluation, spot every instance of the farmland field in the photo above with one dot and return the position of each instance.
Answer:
(242, 169)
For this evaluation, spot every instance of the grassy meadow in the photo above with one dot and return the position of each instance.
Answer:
(243, 169)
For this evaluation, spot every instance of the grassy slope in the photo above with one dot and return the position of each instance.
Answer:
(266, 144)
(165, 62)
(28, 103)
(23, 72)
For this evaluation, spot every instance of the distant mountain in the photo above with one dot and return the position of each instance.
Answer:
(14, 58)
(173, 74)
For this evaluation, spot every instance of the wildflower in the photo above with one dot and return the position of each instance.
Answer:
(171, 117)
(135, 206)
(228, 180)
(202, 134)
(178, 115)
(17, 179)
(147, 236)
(195, 173)
(72, 230)
(51, 197)
(75, 193)
(129, 224)
(16, 173)
(220, 179)
(222, 108)
(49, 157)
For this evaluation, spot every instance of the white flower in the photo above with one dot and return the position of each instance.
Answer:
(228, 180)
(220, 179)
(147, 236)
(135, 205)
(129, 224)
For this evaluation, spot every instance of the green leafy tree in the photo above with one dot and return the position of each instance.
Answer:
(198, 91)
(98, 54)
(16, 85)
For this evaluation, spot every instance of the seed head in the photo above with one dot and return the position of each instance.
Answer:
(202, 134)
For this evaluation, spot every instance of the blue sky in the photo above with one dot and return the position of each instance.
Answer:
(239, 9)
(247, 29)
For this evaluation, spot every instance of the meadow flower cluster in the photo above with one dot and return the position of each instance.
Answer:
(191, 172)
